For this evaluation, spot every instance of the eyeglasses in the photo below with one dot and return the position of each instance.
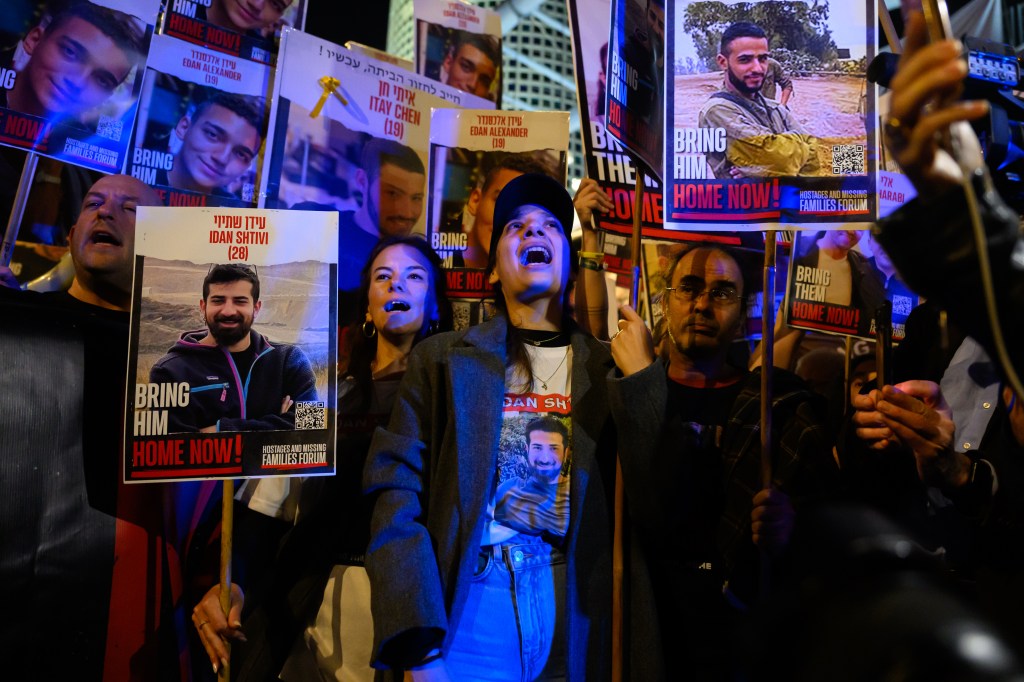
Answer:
(688, 293)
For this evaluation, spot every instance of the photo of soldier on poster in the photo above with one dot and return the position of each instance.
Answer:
(459, 44)
(770, 117)
(200, 144)
(70, 76)
(236, 27)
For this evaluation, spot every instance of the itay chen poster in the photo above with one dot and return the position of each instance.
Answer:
(233, 345)
(351, 134)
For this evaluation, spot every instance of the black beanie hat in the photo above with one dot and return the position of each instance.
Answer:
(539, 190)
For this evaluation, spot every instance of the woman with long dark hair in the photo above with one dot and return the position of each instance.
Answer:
(318, 587)
(490, 546)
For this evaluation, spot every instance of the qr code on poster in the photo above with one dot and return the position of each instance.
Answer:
(310, 414)
(848, 159)
(901, 305)
(110, 128)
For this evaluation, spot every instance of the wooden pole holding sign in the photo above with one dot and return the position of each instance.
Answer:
(767, 365)
(28, 173)
(767, 355)
(618, 539)
(227, 524)
(634, 254)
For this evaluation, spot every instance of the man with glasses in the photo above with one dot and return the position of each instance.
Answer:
(693, 478)
(237, 379)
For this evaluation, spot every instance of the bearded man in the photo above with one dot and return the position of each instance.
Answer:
(762, 137)
(237, 380)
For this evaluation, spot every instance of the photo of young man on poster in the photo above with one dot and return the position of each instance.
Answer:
(836, 283)
(740, 147)
(464, 60)
(261, 17)
(70, 64)
(70, 77)
(473, 213)
(242, 28)
(238, 380)
(472, 63)
(761, 136)
(217, 141)
(201, 141)
(539, 499)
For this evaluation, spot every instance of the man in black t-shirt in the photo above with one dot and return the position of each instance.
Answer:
(106, 544)
(690, 450)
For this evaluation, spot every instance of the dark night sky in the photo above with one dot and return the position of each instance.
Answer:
(335, 21)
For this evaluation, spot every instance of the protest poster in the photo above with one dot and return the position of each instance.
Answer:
(837, 280)
(358, 146)
(474, 153)
(70, 77)
(781, 130)
(251, 390)
(636, 88)
(606, 160)
(246, 30)
(459, 44)
(202, 120)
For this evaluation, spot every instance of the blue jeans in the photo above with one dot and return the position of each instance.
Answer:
(513, 624)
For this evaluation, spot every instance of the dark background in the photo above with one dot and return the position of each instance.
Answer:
(368, 24)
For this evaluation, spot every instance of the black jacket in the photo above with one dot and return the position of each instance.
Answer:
(217, 394)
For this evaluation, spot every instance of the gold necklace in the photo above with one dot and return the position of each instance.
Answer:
(544, 382)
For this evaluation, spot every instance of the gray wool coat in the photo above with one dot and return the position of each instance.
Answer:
(431, 473)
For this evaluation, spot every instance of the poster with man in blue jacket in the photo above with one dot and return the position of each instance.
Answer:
(242, 384)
